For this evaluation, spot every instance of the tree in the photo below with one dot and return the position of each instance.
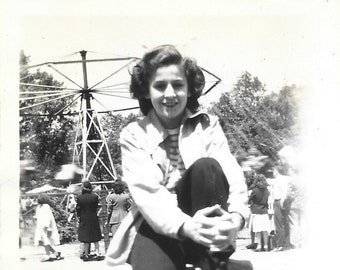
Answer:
(113, 124)
(45, 137)
(252, 118)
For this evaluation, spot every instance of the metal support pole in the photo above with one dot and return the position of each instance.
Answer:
(84, 141)
(86, 87)
(93, 138)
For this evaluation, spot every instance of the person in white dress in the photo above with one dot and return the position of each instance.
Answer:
(46, 232)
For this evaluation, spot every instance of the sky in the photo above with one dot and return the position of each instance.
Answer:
(273, 48)
(279, 42)
(280, 45)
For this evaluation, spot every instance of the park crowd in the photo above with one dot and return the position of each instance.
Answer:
(84, 211)
(277, 201)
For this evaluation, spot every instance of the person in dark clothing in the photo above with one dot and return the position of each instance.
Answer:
(259, 208)
(89, 229)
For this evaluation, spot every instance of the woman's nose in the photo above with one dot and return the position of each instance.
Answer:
(169, 91)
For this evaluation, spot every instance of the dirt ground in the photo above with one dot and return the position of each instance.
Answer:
(242, 259)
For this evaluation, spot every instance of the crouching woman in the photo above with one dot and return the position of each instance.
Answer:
(189, 194)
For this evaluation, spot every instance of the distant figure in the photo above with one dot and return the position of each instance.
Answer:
(89, 229)
(279, 192)
(71, 206)
(294, 200)
(259, 207)
(250, 181)
(118, 205)
(46, 232)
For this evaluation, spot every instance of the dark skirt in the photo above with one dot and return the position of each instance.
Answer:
(89, 229)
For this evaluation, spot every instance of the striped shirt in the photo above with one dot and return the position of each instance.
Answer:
(175, 168)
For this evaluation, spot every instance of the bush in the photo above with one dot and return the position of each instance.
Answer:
(67, 231)
(67, 234)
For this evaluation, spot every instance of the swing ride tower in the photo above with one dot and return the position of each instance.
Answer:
(90, 152)
(90, 140)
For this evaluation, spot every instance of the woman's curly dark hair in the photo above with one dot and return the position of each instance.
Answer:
(162, 56)
(118, 187)
(261, 181)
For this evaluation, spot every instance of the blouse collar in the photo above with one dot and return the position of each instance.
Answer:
(156, 131)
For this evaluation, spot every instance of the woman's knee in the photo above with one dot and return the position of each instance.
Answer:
(206, 162)
(207, 171)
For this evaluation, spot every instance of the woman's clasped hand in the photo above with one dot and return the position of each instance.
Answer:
(212, 227)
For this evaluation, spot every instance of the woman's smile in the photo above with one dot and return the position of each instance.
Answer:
(170, 104)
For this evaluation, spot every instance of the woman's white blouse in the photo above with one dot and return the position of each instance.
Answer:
(144, 159)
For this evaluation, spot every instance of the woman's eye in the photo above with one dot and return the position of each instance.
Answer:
(161, 86)
(177, 85)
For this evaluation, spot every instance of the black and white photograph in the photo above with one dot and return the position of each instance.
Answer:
(169, 135)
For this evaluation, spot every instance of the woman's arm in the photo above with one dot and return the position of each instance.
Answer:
(144, 178)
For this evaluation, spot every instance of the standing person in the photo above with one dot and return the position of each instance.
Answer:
(295, 200)
(250, 181)
(46, 232)
(280, 190)
(259, 207)
(89, 229)
(296, 212)
(118, 205)
(189, 193)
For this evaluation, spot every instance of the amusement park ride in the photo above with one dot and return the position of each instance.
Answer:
(90, 145)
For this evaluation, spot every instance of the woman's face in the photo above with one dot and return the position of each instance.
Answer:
(169, 94)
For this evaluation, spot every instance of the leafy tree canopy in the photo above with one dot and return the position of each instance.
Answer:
(113, 125)
(252, 118)
(45, 137)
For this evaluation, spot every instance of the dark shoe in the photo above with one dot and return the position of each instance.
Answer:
(58, 256)
(99, 257)
(82, 256)
(251, 246)
(86, 258)
(49, 259)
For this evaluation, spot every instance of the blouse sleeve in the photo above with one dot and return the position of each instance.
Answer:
(144, 178)
(218, 148)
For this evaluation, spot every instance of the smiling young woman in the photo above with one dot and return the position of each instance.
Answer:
(189, 194)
